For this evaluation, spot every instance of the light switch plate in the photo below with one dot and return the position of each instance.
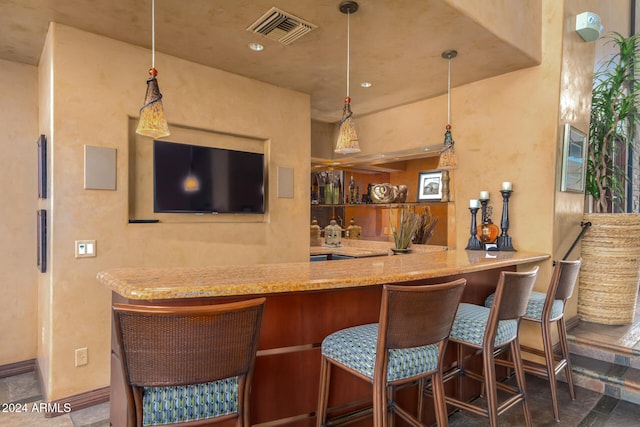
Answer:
(85, 248)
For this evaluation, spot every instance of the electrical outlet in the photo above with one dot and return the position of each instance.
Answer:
(81, 356)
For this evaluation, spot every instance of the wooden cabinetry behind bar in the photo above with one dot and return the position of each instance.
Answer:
(373, 218)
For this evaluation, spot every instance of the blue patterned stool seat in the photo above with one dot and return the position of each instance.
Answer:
(535, 305)
(471, 322)
(356, 348)
(165, 405)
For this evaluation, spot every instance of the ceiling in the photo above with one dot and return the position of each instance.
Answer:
(395, 44)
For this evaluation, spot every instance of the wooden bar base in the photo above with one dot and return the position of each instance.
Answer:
(286, 380)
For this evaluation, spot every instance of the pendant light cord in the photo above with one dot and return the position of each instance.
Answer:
(153, 34)
(348, 48)
(449, 93)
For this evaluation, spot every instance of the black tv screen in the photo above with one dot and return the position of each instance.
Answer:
(197, 179)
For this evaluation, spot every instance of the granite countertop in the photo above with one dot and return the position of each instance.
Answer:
(260, 279)
(368, 248)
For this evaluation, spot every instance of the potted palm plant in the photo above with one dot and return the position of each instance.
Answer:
(611, 248)
(614, 114)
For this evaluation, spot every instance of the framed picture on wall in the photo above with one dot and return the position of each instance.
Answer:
(41, 255)
(429, 185)
(574, 158)
(42, 167)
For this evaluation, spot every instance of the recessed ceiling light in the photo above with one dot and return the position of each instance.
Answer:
(366, 84)
(256, 47)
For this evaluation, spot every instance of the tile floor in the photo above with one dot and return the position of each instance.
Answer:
(590, 409)
(22, 391)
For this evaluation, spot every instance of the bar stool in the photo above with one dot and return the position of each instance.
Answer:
(188, 365)
(407, 345)
(487, 329)
(547, 308)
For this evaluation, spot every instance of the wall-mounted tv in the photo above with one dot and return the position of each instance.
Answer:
(196, 179)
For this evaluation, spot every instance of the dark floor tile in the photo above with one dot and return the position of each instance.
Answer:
(594, 419)
(94, 416)
(625, 414)
(606, 405)
(572, 412)
(466, 419)
(4, 391)
(21, 388)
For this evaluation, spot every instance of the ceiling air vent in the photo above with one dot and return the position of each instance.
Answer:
(281, 26)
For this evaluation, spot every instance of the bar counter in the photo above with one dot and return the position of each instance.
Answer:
(306, 301)
(260, 279)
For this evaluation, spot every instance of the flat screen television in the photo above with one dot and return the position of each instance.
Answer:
(196, 179)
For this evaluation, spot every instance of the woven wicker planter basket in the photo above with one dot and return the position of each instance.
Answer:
(610, 271)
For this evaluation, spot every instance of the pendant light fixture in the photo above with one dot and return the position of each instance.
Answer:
(448, 158)
(347, 137)
(152, 120)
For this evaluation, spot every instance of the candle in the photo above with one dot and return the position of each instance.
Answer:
(473, 203)
(484, 195)
(506, 186)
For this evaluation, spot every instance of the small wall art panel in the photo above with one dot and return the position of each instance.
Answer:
(42, 167)
(42, 240)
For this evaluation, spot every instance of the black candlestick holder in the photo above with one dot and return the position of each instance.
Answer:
(504, 241)
(483, 203)
(474, 244)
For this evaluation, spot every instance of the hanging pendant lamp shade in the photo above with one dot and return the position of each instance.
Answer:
(347, 138)
(152, 122)
(448, 158)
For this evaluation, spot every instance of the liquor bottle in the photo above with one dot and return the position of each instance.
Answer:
(352, 191)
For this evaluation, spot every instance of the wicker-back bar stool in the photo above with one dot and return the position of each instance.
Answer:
(487, 329)
(188, 365)
(546, 309)
(406, 345)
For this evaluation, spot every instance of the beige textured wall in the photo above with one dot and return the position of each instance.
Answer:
(19, 192)
(518, 22)
(96, 84)
(323, 140)
(43, 328)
